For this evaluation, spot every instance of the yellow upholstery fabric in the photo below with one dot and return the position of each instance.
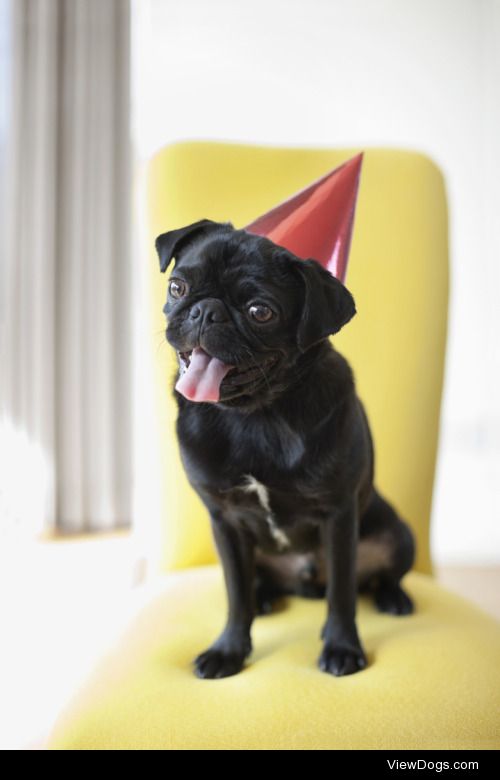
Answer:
(433, 679)
(398, 274)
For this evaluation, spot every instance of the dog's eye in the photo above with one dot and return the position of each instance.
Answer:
(260, 312)
(177, 288)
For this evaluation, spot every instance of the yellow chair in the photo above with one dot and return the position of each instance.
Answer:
(433, 679)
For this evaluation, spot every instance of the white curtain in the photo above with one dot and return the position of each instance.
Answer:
(65, 271)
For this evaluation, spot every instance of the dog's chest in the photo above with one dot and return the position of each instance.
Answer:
(279, 522)
(262, 439)
(250, 468)
(251, 485)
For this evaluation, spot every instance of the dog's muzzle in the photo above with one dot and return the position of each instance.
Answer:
(205, 378)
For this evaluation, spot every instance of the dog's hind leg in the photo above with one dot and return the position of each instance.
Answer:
(386, 551)
(285, 575)
(267, 591)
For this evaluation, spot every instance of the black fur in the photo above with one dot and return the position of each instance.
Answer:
(297, 427)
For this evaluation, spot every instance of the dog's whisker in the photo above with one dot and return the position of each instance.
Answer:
(158, 349)
(258, 366)
(160, 335)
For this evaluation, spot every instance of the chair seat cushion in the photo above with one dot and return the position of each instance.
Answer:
(433, 679)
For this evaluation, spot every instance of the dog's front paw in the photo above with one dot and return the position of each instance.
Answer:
(223, 659)
(214, 664)
(340, 661)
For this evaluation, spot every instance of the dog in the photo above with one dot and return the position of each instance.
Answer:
(275, 440)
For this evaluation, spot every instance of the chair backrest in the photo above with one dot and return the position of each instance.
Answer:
(398, 274)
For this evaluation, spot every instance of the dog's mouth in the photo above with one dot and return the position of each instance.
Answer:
(204, 377)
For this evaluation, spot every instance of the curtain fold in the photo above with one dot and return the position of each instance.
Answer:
(66, 340)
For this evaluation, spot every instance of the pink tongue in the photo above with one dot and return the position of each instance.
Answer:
(201, 380)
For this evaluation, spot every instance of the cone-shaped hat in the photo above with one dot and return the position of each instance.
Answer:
(317, 222)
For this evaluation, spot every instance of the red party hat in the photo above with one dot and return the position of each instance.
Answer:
(317, 221)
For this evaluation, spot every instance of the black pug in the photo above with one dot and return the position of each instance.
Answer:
(275, 440)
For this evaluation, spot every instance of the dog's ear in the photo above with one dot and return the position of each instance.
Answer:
(169, 243)
(327, 305)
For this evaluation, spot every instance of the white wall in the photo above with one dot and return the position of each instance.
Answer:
(421, 74)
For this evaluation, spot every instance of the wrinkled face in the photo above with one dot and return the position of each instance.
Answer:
(240, 312)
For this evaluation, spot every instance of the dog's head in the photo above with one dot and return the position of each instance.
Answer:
(242, 312)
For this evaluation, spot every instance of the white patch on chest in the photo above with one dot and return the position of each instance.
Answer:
(253, 485)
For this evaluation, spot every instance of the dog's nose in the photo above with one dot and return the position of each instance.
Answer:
(209, 310)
